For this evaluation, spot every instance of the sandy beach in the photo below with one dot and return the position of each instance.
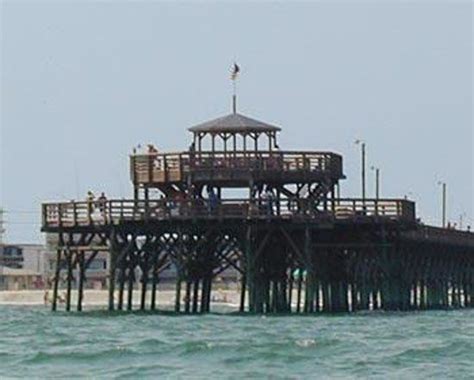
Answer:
(98, 298)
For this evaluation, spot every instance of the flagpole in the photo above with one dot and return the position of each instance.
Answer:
(234, 96)
(235, 71)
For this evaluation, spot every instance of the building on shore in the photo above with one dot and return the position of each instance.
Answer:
(20, 279)
(22, 266)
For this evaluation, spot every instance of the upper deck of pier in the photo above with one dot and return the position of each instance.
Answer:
(232, 151)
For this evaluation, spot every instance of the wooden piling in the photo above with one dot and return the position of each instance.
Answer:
(69, 279)
(82, 274)
(56, 280)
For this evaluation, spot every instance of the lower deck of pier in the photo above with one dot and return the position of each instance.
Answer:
(279, 267)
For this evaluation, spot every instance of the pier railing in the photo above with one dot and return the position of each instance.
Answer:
(438, 235)
(169, 167)
(70, 214)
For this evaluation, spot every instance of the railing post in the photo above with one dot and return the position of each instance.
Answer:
(44, 217)
(133, 168)
(150, 167)
(90, 205)
(60, 215)
(165, 168)
(74, 213)
(106, 211)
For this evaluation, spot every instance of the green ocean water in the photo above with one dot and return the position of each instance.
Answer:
(37, 343)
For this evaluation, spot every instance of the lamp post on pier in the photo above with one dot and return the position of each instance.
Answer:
(443, 203)
(377, 181)
(461, 220)
(362, 164)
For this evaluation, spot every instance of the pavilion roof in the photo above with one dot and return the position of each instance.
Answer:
(234, 123)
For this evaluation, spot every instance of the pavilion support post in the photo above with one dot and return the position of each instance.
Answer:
(56, 279)
(82, 275)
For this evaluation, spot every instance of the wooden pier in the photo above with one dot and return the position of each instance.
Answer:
(297, 246)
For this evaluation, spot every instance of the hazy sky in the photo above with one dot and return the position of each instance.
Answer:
(83, 82)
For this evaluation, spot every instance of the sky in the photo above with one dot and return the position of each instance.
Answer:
(82, 82)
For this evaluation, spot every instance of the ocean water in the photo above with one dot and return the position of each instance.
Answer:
(418, 345)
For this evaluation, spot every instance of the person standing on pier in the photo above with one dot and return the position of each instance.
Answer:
(270, 200)
(102, 200)
(212, 199)
(90, 203)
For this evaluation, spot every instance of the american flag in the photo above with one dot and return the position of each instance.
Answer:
(235, 71)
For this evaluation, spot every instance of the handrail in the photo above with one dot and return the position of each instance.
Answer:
(85, 213)
(161, 167)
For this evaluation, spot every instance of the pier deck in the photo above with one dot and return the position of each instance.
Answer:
(66, 215)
